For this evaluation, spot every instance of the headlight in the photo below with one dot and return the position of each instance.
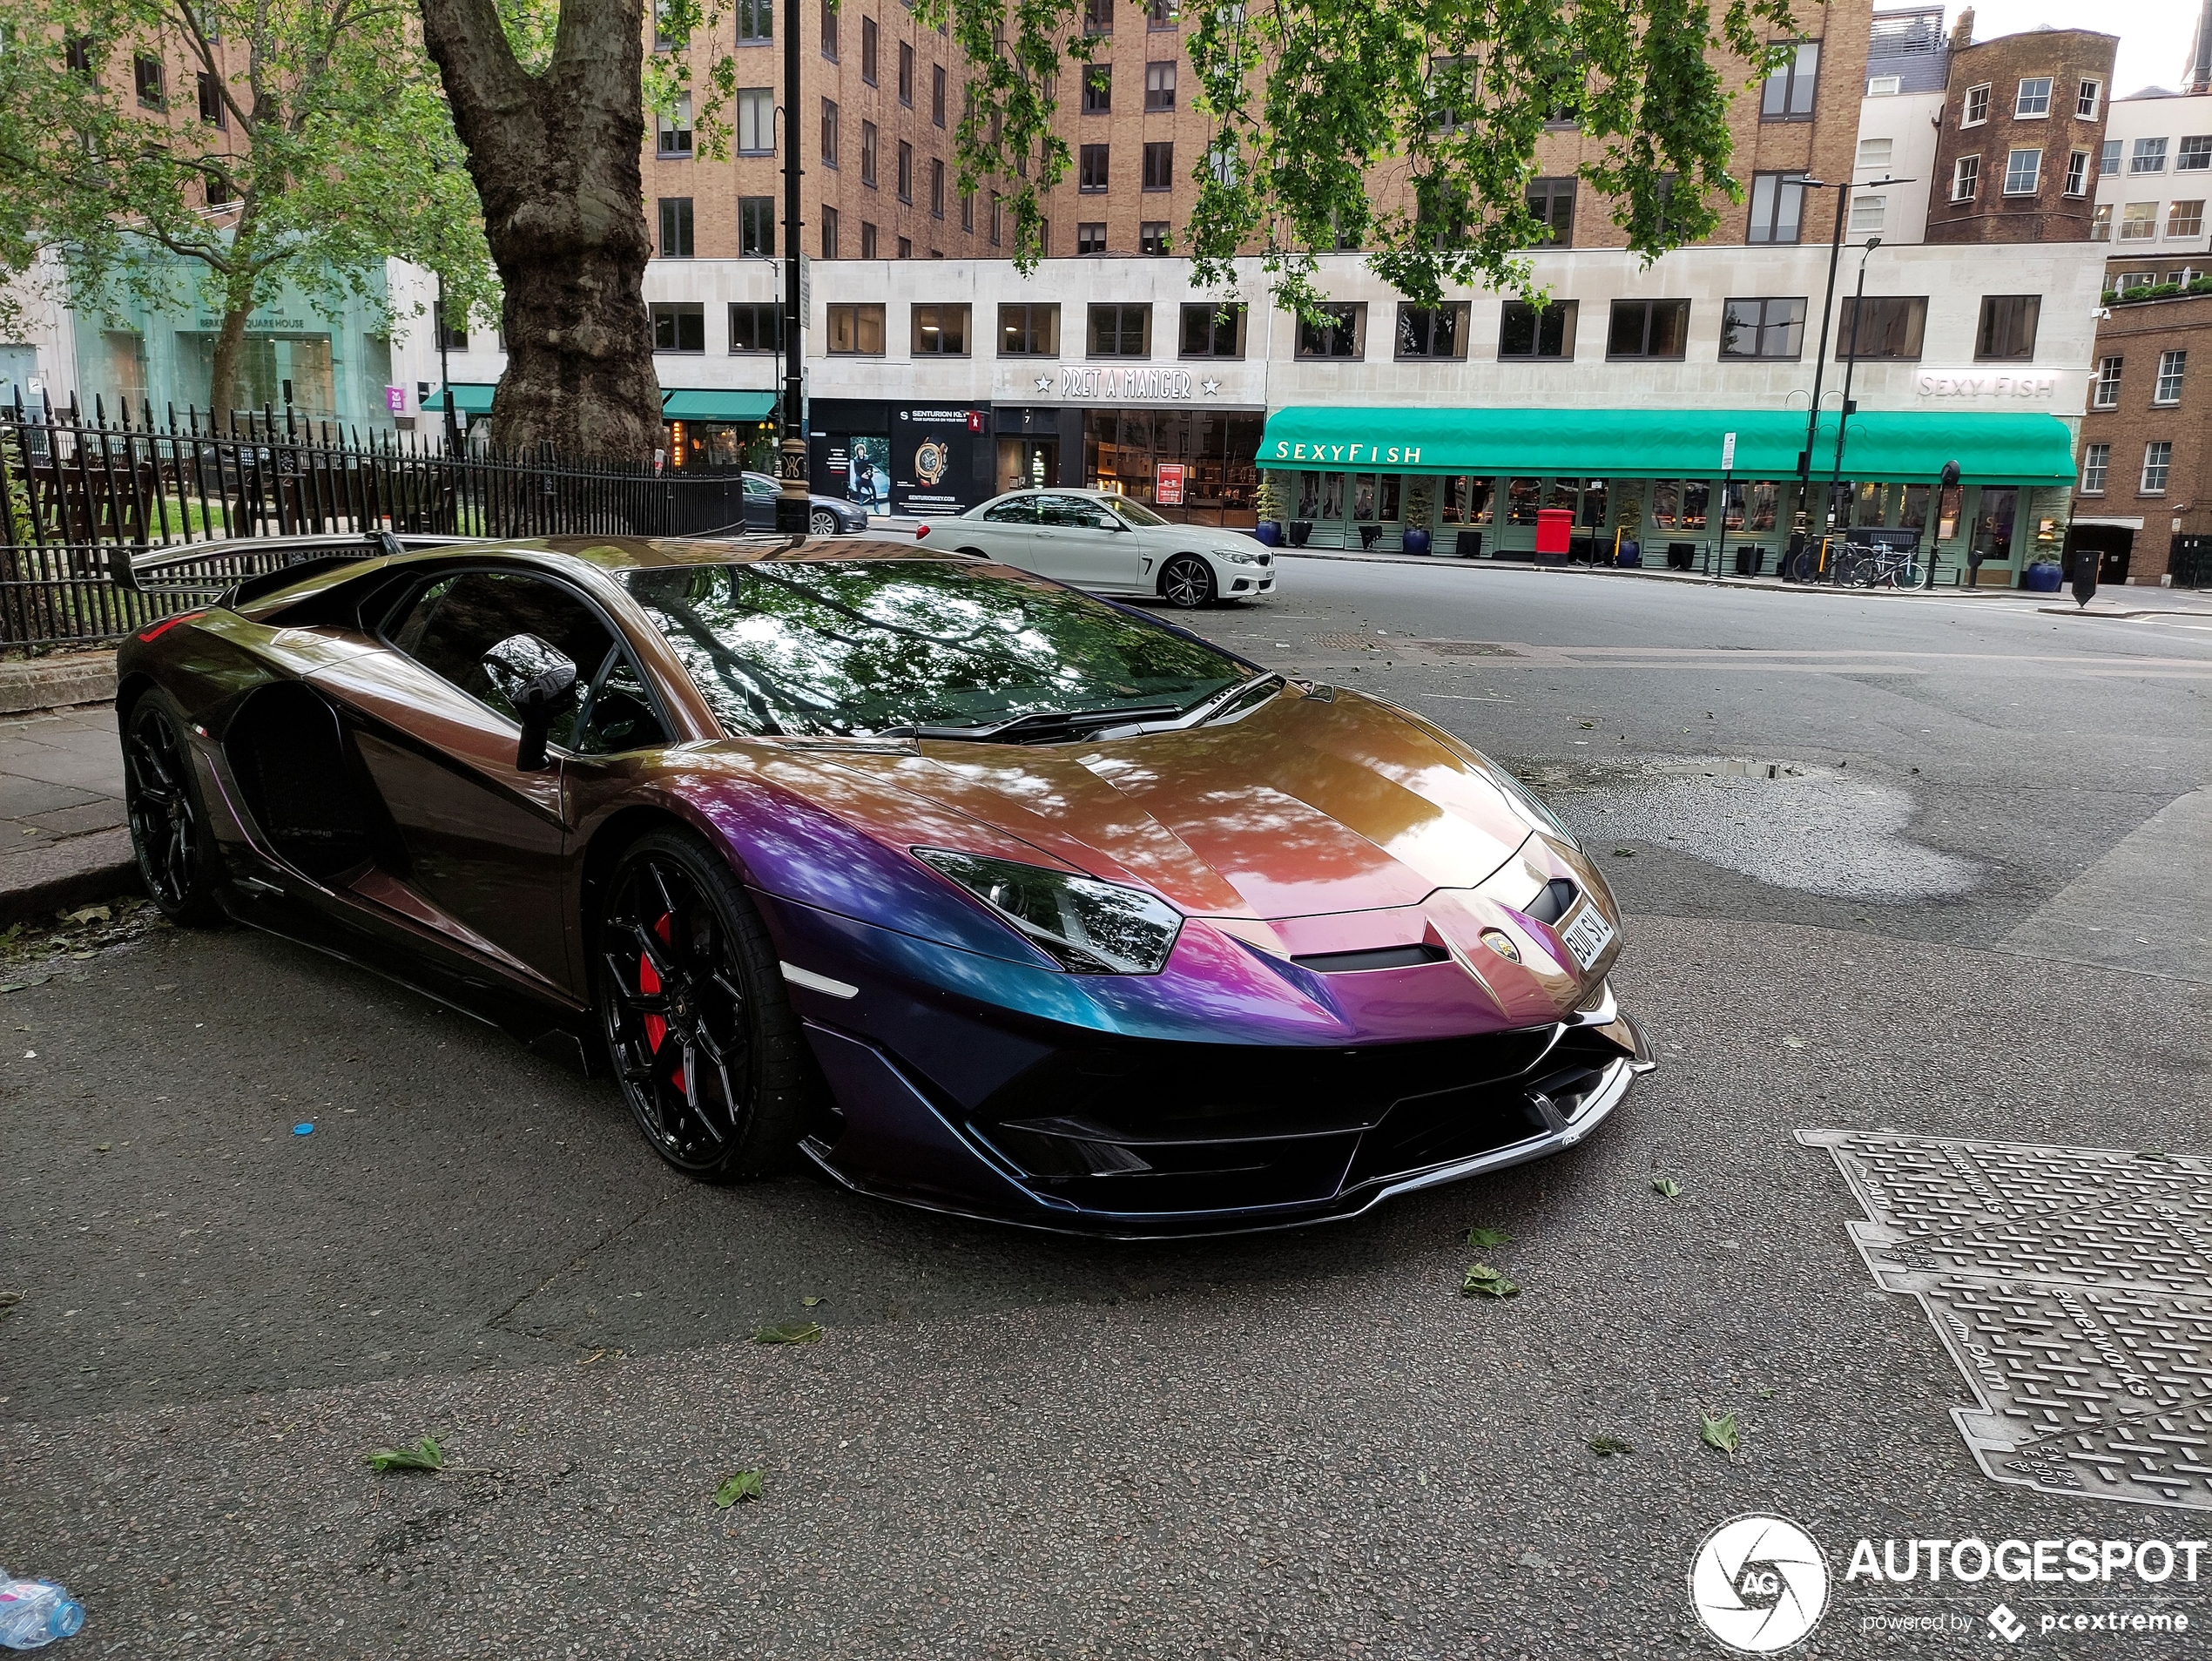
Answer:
(1092, 928)
(1239, 557)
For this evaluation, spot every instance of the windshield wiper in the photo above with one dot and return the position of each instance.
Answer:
(1029, 729)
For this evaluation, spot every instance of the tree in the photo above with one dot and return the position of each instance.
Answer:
(306, 143)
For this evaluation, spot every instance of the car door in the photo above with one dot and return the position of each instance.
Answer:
(1079, 540)
(1005, 530)
(482, 841)
(760, 494)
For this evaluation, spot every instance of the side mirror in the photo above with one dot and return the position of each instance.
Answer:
(539, 683)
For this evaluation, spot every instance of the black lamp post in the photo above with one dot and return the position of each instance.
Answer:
(445, 365)
(1851, 365)
(791, 503)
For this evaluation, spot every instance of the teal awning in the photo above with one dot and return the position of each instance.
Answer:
(469, 399)
(685, 403)
(1890, 445)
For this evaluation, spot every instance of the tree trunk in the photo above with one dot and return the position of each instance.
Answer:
(230, 358)
(554, 159)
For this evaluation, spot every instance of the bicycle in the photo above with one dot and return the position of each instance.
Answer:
(1875, 567)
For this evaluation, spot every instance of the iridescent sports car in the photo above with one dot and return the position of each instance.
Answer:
(987, 896)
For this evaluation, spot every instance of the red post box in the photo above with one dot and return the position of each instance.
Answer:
(1553, 526)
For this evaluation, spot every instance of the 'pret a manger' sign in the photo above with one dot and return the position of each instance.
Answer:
(1350, 454)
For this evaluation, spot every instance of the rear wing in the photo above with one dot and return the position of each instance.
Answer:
(209, 570)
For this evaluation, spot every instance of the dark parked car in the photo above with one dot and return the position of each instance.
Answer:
(827, 516)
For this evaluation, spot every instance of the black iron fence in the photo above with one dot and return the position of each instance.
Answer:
(74, 485)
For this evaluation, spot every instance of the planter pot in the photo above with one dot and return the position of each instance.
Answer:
(1300, 529)
(2042, 579)
(1268, 533)
(1416, 541)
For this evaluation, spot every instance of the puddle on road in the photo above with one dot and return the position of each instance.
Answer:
(1791, 825)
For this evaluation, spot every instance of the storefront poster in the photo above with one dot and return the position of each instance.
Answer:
(934, 454)
(1167, 487)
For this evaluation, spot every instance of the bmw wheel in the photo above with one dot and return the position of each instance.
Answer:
(821, 523)
(168, 822)
(1187, 583)
(692, 1003)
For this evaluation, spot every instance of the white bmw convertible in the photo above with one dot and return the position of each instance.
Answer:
(1098, 540)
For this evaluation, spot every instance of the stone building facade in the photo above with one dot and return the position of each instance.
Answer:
(2022, 131)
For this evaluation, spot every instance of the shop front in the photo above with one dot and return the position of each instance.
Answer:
(713, 429)
(923, 460)
(1677, 485)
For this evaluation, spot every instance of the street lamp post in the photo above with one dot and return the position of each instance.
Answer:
(791, 502)
(445, 365)
(1851, 365)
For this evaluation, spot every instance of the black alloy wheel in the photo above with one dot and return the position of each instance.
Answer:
(1186, 583)
(692, 1003)
(822, 522)
(168, 824)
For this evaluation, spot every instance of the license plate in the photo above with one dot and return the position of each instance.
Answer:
(1588, 935)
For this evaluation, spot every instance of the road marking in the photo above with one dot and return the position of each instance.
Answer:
(2146, 905)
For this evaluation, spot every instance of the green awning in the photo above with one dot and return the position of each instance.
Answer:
(1890, 445)
(685, 403)
(469, 399)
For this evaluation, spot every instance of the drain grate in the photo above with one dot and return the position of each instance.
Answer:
(2072, 1287)
(1340, 641)
(1467, 649)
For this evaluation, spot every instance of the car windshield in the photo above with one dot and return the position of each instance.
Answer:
(1136, 512)
(848, 648)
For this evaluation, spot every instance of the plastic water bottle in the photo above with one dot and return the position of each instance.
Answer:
(33, 1613)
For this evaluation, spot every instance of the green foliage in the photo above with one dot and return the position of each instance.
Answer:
(424, 1456)
(1408, 131)
(738, 1485)
(1268, 499)
(2158, 291)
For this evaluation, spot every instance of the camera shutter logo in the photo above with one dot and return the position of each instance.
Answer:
(931, 459)
(1759, 1583)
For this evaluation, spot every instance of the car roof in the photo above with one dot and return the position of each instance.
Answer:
(635, 553)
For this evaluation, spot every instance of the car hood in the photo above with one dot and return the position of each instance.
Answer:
(1304, 807)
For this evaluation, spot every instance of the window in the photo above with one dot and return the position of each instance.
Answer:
(2096, 462)
(1341, 333)
(1551, 203)
(1212, 331)
(856, 331)
(672, 133)
(1221, 162)
(2007, 331)
(1881, 328)
(676, 227)
(936, 188)
(2104, 391)
(829, 133)
(1763, 328)
(1866, 214)
(2138, 221)
(452, 338)
(1524, 332)
(1966, 173)
(2168, 387)
(1091, 238)
(2101, 222)
(1884, 86)
(76, 52)
(1163, 14)
(1874, 155)
(2185, 218)
(757, 227)
(2086, 97)
(2023, 169)
(906, 247)
(756, 121)
(941, 331)
(1028, 331)
(2108, 158)
(1433, 332)
(2077, 173)
(829, 30)
(906, 74)
(678, 325)
(2148, 157)
(2158, 457)
(1977, 107)
(1044, 236)
(1121, 331)
(2034, 99)
(1777, 205)
(1090, 176)
(662, 41)
(219, 190)
(1152, 237)
(905, 172)
(1098, 89)
(829, 233)
(756, 21)
(454, 623)
(2195, 155)
(937, 94)
(867, 241)
(1159, 87)
(213, 110)
(968, 212)
(1648, 329)
(146, 71)
(867, 154)
(2131, 279)
(1789, 90)
(756, 328)
(1098, 16)
(867, 50)
(998, 218)
(1159, 166)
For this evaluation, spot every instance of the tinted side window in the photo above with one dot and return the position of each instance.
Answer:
(454, 621)
(620, 716)
(1022, 510)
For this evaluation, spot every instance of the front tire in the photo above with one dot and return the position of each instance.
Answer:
(691, 1001)
(168, 820)
(1186, 583)
(821, 523)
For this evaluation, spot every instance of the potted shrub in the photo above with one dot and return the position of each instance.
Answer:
(1268, 499)
(1420, 506)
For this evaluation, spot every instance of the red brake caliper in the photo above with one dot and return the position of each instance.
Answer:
(649, 983)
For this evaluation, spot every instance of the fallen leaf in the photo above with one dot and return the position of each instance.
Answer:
(739, 1485)
(1484, 1239)
(1665, 1187)
(102, 1147)
(1606, 1447)
(8, 1300)
(90, 914)
(1586, 726)
(1624, 853)
(1533, 1559)
(790, 1332)
(424, 1456)
(1719, 1432)
(1483, 1280)
(810, 1303)
(1793, 1043)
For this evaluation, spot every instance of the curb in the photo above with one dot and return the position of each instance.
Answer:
(28, 684)
(37, 884)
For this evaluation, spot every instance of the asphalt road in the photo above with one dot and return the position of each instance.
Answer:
(1970, 900)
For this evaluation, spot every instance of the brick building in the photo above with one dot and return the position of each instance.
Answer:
(2021, 133)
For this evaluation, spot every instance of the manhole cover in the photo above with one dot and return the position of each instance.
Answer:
(2072, 1287)
(1467, 649)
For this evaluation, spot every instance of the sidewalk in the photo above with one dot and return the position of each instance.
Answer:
(63, 839)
